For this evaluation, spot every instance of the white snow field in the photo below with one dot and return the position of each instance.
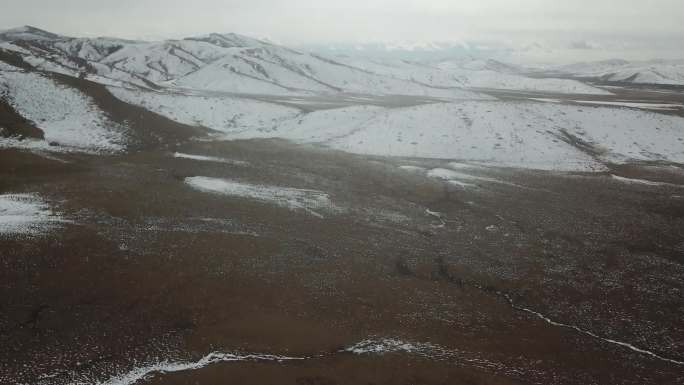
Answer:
(291, 198)
(25, 214)
(517, 134)
(68, 118)
(503, 133)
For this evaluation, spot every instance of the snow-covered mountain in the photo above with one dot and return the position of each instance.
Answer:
(467, 73)
(216, 62)
(239, 64)
(649, 72)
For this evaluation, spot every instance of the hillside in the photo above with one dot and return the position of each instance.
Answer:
(650, 72)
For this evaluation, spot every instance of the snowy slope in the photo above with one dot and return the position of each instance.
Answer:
(481, 131)
(159, 62)
(469, 73)
(654, 72)
(419, 72)
(517, 134)
(493, 74)
(278, 70)
(68, 118)
(224, 114)
(650, 74)
(497, 80)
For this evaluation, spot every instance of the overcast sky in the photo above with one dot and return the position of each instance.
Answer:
(637, 25)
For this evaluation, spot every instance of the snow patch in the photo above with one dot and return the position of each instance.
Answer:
(426, 350)
(25, 214)
(439, 216)
(390, 345)
(142, 373)
(415, 169)
(291, 198)
(458, 178)
(67, 117)
(642, 181)
(210, 159)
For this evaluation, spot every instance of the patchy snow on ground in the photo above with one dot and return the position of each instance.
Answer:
(68, 118)
(380, 346)
(463, 179)
(203, 158)
(25, 214)
(291, 198)
(139, 374)
(389, 345)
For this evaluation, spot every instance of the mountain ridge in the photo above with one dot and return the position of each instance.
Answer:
(230, 62)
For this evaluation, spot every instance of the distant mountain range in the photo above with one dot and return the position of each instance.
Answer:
(617, 70)
(240, 64)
